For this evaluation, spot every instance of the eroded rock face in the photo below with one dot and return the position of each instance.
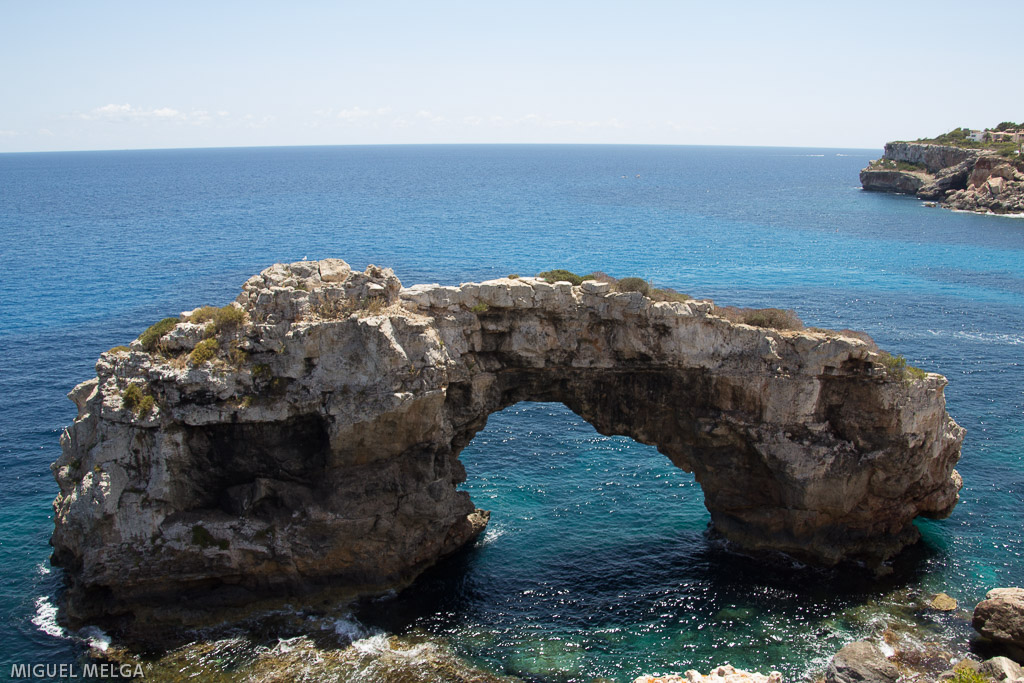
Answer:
(319, 446)
(934, 158)
(1000, 617)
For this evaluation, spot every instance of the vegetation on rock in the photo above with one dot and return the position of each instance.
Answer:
(632, 284)
(898, 368)
(137, 401)
(204, 351)
(562, 275)
(226, 319)
(774, 318)
(151, 337)
(959, 137)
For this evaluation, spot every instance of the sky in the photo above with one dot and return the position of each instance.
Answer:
(830, 73)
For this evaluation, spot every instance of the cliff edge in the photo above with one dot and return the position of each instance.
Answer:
(958, 178)
(307, 435)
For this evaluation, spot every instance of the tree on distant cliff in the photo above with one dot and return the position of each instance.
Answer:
(1006, 125)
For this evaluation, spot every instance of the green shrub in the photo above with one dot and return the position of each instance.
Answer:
(632, 284)
(562, 275)
(237, 357)
(774, 318)
(898, 368)
(146, 405)
(151, 337)
(226, 319)
(965, 674)
(135, 400)
(204, 351)
(131, 396)
(668, 294)
(261, 371)
(119, 349)
(513, 276)
(480, 307)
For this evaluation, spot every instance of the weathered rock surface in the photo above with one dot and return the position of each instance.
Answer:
(319, 446)
(1000, 617)
(887, 180)
(934, 158)
(723, 674)
(861, 662)
(995, 669)
(1002, 669)
(962, 179)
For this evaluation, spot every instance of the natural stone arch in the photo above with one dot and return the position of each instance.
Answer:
(326, 455)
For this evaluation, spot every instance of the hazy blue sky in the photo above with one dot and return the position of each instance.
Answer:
(115, 75)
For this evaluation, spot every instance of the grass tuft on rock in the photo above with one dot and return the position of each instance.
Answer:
(563, 275)
(204, 351)
(151, 337)
(632, 284)
(225, 320)
(898, 368)
(772, 318)
(137, 401)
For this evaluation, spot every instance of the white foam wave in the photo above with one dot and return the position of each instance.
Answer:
(96, 638)
(995, 338)
(43, 569)
(380, 643)
(46, 618)
(351, 628)
(492, 534)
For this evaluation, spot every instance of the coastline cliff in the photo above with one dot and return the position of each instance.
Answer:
(306, 436)
(956, 177)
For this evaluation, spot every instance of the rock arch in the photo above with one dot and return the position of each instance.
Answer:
(320, 447)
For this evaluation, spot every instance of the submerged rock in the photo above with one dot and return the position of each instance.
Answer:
(943, 603)
(310, 440)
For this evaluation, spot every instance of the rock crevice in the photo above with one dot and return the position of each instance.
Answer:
(319, 445)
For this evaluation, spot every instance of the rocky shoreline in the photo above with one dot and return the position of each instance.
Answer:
(318, 648)
(954, 177)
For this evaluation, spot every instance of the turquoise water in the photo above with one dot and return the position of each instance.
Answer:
(596, 561)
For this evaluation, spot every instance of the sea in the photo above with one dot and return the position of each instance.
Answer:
(598, 562)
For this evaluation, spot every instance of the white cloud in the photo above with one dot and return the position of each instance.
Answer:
(353, 114)
(8, 133)
(545, 122)
(45, 132)
(127, 113)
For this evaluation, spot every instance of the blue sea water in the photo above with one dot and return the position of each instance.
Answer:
(596, 561)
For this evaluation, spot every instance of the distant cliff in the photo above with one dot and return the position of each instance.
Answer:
(959, 178)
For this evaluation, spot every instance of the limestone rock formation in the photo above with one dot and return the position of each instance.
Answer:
(962, 179)
(1000, 617)
(307, 436)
